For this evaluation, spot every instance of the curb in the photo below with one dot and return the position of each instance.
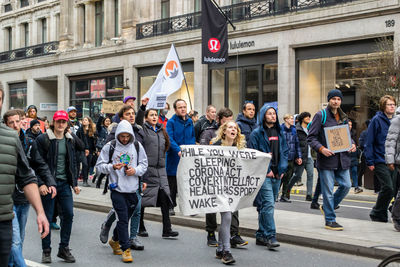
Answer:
(348, 197)
(356, 250)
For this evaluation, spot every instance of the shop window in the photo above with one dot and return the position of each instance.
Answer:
(218, 88)
(18, 96)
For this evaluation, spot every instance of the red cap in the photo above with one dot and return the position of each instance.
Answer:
(60, 115)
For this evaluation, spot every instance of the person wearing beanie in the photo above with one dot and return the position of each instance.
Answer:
(331, 166)
(128, 100)
(34, 130)
(31, 113)
(73, 122)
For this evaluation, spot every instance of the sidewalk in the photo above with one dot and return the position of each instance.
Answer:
(297, 228)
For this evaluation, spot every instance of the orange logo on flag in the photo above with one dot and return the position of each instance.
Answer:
(171, 69)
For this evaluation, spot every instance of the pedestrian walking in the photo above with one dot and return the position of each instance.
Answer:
(354, 162)
(268, 138)
(246, 120)
(331, 166)
(31, 113)
(194, 115)
(205, 122)
(34, 130)
(102, 125)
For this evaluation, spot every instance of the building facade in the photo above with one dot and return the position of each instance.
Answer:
(289, 51)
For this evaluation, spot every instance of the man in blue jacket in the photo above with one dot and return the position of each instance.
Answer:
(268, 138)
(332, 166)
(375, 157)
(181, 132)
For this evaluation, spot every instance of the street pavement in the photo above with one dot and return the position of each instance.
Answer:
(189, 249)
(296, 223)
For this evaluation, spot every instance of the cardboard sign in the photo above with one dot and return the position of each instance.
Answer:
(338, 138)
(219, 178)
(112, 107)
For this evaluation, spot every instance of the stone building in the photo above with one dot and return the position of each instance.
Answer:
(78, 52)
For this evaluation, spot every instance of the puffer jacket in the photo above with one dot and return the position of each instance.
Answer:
(392, 143)
(292, 141)
(246, 126)
(156, 174)
(208, 134)
(14, 169)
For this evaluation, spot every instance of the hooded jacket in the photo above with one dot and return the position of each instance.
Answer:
(180, 132)
(376, 137)
(392, 143)
(126, 154)
(246, 125)
(316, 139)
(259, 140)
(292, 141)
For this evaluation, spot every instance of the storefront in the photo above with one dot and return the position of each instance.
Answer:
(148, 75)
(88, 92)
(344, 66)
(251, 78)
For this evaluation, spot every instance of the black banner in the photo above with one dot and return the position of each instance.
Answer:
(214, 34)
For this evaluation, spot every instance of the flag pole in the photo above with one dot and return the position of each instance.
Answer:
(223, 13)
(184, 78)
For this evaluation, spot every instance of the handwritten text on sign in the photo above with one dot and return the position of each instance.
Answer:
(219, 178)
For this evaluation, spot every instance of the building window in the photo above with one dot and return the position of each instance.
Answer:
(41, 1)
(88, 92)
(197, 5)
(9, 38)
(18, 96)
(44, 30)
(24, 3)
(99, 22)
(26, 34)
(7, 8)
(116, 18)
(165, 9)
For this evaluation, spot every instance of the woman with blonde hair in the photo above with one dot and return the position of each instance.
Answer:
(87, 133)
(228, 135)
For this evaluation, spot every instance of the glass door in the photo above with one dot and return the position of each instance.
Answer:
(251, 90)
(234, 86)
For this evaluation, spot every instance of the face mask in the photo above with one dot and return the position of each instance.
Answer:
(164, 112)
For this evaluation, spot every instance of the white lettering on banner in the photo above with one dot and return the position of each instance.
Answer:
(219, 178)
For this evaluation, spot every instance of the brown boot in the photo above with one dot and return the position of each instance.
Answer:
(115, 247)
(127, 256)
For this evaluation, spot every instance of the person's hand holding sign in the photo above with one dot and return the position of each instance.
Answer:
(326, 152)
(353, 148)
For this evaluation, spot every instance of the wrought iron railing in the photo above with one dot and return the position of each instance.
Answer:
(29, 52)
(237, 12)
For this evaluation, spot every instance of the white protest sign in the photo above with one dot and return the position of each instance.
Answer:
(160, 100)
(219, 178)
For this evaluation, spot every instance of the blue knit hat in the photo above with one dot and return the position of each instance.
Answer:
(333, 93)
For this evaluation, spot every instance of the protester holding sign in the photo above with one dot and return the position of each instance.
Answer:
(268, 138)
(157, 194)
(228, 135)
(181, 132)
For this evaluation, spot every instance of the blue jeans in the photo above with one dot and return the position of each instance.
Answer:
(354, 175)
(66, 213)
(298, 172)
(19, 222)
(327, 179)
(265, 206)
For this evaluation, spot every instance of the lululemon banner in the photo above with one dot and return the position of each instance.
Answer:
(214, 34)
(219, 178)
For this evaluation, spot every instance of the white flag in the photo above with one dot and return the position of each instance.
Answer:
(168, 80)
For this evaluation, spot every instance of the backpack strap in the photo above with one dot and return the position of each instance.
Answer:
(111, 151)
(323, 118)
(136, 143)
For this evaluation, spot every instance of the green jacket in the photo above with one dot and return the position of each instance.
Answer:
(14, 170)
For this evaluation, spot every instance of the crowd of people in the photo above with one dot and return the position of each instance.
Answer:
(135, 154)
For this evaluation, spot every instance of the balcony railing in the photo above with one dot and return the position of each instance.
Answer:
(29, 52)
(237, 12)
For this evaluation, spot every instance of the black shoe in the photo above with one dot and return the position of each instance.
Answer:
(211, 241)
(261, 241)
(236, 240)
(337, 207)
(333, 226)
(104, 233)
(171, 212)
(272, 243)
(218, 254)
(227, 258)
(143, 233)
(378, 219)
(285, 199)
(170, 233)
(65, 254)
(308, 198)
(46, 256)
(314, 206)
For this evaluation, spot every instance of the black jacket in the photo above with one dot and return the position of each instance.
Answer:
(90, 142)
(302, 135)
(202, 124)
(30, 134)
(48, 149)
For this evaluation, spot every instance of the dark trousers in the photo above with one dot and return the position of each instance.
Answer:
(361, 169)
(124, 204)
(5, 241)
(286, 178)
(317, 191)
(173, 188)
(99, 179)
(86, 164)
(387, 180)
(55, 212)
(163, 201)
(66, 213)
(211, 223)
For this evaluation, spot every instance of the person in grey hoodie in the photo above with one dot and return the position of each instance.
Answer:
(124, 169)
(392, 158)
